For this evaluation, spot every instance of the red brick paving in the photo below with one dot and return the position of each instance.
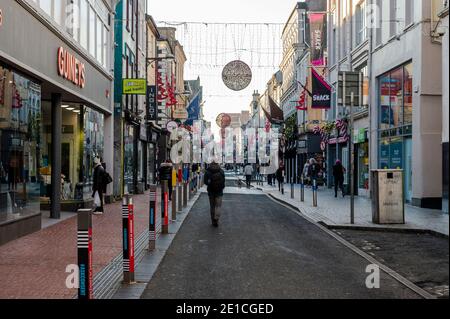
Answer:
(34, 266)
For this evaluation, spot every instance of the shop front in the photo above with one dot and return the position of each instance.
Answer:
(395, 123)
(362, 172)
(55, 117)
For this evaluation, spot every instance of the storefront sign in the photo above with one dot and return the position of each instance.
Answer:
(180, 113)
(318, 38)
(152, 103)
(321, 92)
(134, 86)
(70, 68)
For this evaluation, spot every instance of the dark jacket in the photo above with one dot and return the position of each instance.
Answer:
(313, 170)
(279, 174)
(99, 179)
(213, 169)
(165, 172)
(338, 172)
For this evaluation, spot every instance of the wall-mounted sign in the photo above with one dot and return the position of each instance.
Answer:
(318, 27)
(152, 104)
(180, 113)
(70, 68)
(134, 86)
(237, 75)
(321, 92)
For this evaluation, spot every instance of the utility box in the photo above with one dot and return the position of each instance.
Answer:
(388, 200)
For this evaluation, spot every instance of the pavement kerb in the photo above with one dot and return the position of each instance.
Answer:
(421, 292)
(377, 228)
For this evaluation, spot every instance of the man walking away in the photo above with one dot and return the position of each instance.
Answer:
(215, 180)
(338, 174)
(305, 173)
(165, 174)
(248, 172)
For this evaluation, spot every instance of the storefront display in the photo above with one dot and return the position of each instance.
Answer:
(20, 125)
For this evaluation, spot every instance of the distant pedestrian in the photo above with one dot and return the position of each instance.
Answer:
(100, 181)
(338, 174)
(280, 176)
(248, 172)
(165, 174)
(305, 172)
(215, 180)
(313, 170)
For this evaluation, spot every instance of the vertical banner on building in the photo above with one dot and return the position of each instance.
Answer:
(318, 28)
(321, 92)
(152, 103)
(84, 247)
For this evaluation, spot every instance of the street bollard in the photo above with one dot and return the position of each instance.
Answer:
(152, 218)
(282, 188)
(302, 190)
(165, 207)
(174, 195)
(128, 239)
(185, 195)
(180, 197)
(84, 247)
(292, 191)
(314, 188)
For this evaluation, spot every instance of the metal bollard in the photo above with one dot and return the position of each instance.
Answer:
(180, 197)
(165, 208)
(185, 195)
(152, 218)
(314, 187)
(292, 191)
(84, 247)
(128, 239)
(174, 202)
(302, 190)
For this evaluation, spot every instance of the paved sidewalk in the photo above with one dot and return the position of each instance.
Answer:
(34, 266)
(336, 211)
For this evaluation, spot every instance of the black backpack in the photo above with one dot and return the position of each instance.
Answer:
(217, 182)
(107, 179)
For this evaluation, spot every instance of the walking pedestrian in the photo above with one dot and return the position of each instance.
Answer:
(338, 174)
(101, 180)
(215, 180)
(313, 170)
(280, 177)
(165, 174)
(248, 172)
(305, 172)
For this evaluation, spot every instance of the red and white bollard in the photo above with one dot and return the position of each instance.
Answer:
(128, 239)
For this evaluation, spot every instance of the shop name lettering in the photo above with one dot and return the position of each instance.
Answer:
(70, 68)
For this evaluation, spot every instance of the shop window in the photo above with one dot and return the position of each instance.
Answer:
(408, 94)
(391, 153)
(20, 126)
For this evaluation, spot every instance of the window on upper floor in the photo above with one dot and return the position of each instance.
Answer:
(393, 17)
(360, 23)
(409, 12)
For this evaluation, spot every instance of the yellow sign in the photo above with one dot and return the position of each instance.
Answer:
(135, 86)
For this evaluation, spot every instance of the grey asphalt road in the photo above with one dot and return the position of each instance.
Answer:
(261, 250)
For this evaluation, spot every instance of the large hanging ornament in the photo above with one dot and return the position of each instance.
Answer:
(237, 75)
(223, 120)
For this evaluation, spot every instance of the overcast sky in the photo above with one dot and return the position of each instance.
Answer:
(209, 48)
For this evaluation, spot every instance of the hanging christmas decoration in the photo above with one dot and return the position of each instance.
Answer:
(162, 94)
(237, 75)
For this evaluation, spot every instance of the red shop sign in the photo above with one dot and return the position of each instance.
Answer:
(70, 68)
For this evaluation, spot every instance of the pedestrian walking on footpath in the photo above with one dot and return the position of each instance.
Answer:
(215, 180)
(338, 174)
(305, 173)
(280, 177)
(248, 172)
(101, 180)
(165, 174)
(313, 170)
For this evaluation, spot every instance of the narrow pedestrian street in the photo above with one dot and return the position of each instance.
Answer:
(261, 250)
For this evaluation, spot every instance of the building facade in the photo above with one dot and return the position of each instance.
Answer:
(406, 98)
(56, 111)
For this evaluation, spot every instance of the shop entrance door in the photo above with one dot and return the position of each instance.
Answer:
(408, 169)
